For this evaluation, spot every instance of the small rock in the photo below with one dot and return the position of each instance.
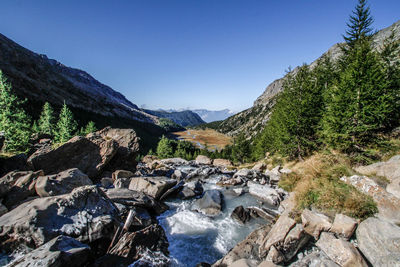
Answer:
(106, 182)
(261, 166)
(153, 186)
(265, 192)
(344, 226)
(178, 175)
(203, 160)
(275, 255)
(314, 223)
(61, 183)
(222, 163)
(340, 251)
(315, 259)
(241, 214)
(121, 174)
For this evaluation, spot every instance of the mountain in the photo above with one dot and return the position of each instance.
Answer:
(213, 115)
(251, 121)
(183, 118)
(40, 79)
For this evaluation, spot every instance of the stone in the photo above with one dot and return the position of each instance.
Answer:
(148, 159)
(239, 191)
(133, 198)
(265, 192)
(60, 251)
(246, 249)
(275, 255)
(394, 187)
(274, 177)
(178, 175)
(344, 226)
(244, 173)
(61, 183)
(17, 186)
(222, 163)
(294, 241)
(106, 182)
(153, 186)
(314, 223)
(288, 204)
(128, 148)
(241, 214)
(231, 182)
(173, 190)
(3, 209)
(267, 263)
(261, 166)
(122, 183)
(14, 163)
(133, 245)
(244, 263)
(89, 154)
(118, 174)
(203, 160)
(277, 234)
(315, 259)
(86, 214)
(174, 161)
(340, 251)
(379, 241)
(210, 203)
(388, 204)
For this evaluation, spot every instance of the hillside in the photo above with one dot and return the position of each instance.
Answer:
(39, 79)
(183, 118)
(213, 115)
(252, 120)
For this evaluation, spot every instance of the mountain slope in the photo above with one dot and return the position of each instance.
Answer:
(183, 118)
(213, 115)
(252, 120)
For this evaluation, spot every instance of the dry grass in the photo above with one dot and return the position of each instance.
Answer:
(317, 184)
(207, 137)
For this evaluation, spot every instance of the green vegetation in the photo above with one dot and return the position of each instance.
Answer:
(14, 122)
(66, 125)
(89, 128)
(168, 148)
(46, 120)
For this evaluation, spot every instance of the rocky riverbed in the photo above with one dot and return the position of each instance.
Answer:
(89, 203)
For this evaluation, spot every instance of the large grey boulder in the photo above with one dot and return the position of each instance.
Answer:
(388, 204)
(174, 161)
(86, 214)
(153, 186)
(89, 154)
(61, 183)
(340, 251)
(203, 160)
(222, 163)
(314, 223)
(344, 226)
(60, 251)
(266, 193)
(131, 198)
(210, 203)
(379, 241)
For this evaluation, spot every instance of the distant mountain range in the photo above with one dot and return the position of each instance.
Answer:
(207, 115)
(184, 118)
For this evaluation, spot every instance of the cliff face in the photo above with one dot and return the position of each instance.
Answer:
(252, 120)
(40, 79)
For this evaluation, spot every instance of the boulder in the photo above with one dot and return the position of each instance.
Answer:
(340, 251)
(379, 241)
(61, 183)
(294, 241)
(132, 199)
(222, 163)
(315, 259)
(134, 245)
(210, 203)
(86, 214)
(173, 190)
(275, 255)
(314, 223)
(241, 214)
(388, 204)
(244, 263)
(174, 161)
(148, 159)
(14, 163)
(89, 154)
(344, 226)
(203, 160)
(118, 174)
(122, 183)
(246, 249)
(106, 182)
(128, 148)
(60, 251)
(153, 186)
(230, 182)
(191, 189)
(17, 186)
(288, 204)
(265, 192)
(267, 264)
(178, 175)
(274, 177)
(277, 234)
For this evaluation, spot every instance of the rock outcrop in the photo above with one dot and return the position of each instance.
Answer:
(153, 186)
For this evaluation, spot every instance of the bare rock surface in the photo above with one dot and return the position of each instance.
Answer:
(210, 203)
(61, 183)
(222, 163)
(379, 241)
(153, 186)
(344, 226)
(200, 159)
(314, 223)
(340, 251)
(60, 251)
(315, 259)
(265, 192)
(85, 214)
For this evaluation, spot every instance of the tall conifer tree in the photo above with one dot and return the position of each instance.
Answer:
(66, 125)
(46, 120)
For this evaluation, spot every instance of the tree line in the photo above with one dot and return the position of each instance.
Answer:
(17, 126)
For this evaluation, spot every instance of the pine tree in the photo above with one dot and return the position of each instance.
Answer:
(89, 128)
(13, 120)
(46, 120)
(66, 125)
(164, 148)
(241, 149)
(359, 25)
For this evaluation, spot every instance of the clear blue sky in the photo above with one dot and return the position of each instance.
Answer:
(211, 54)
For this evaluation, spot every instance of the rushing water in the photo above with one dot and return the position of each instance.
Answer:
(194, 237)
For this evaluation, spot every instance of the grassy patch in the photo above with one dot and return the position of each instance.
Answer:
(317, 184)
(208, 137)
